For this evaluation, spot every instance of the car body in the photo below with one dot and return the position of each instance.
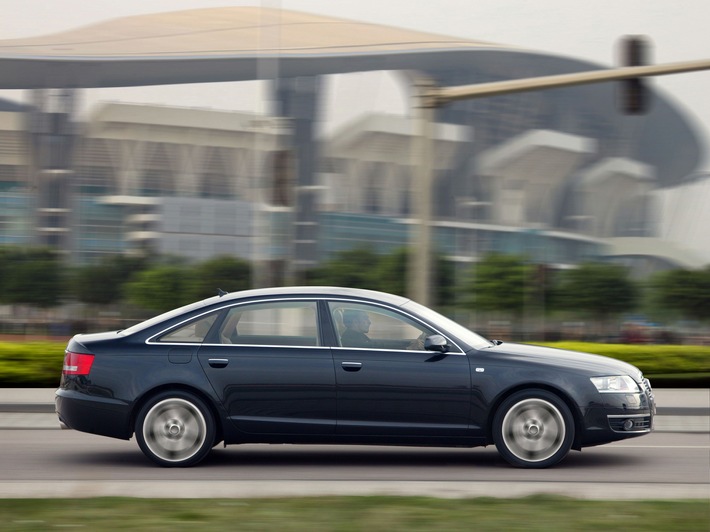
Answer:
(273, 366)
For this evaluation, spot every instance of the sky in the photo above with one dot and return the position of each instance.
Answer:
(585, 30)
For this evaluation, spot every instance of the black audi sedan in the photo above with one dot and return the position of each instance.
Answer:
(337, 365)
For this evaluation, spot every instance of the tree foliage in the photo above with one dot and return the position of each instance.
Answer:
(597, 289)
(32, 276)
(160, 288)
(499, 283)
(355, 268)
(686, 292)
(102, 284)
(363, 268)
(228, 273)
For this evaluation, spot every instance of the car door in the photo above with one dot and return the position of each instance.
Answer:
(389, 385)
(268, 366)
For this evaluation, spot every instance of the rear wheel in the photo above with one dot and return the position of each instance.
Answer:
(175, 429)
(533, 429)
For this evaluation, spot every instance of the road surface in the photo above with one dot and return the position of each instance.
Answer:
(52, 463)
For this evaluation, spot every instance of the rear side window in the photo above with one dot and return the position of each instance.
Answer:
(287, 323)
(192, 333)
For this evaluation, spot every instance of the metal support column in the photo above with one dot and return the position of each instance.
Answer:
(297, 99)
(52, 138)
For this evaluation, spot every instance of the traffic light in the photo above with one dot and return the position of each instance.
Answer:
(634, 96)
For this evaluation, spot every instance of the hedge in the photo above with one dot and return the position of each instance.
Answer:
(39, 364)
(651, 359)
(31, 364)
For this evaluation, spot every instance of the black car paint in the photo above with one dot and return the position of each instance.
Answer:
(281, 394)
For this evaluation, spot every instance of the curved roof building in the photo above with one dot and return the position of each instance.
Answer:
(524, 159)
(232, 44)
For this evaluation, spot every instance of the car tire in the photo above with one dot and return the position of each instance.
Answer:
(175, 429)
(533, 429)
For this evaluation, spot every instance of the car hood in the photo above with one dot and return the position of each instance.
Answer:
(594, 364)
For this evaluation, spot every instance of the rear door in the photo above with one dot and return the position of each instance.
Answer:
(267, 363)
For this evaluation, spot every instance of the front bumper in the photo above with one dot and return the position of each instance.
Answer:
(618, 416)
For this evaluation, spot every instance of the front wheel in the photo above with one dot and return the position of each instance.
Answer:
(533, 429)
(175, 429)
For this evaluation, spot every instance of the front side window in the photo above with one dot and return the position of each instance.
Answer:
(370, 326)
(290, 323)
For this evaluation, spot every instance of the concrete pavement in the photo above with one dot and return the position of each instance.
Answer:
(679, 410)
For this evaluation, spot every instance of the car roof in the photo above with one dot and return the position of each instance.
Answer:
(265, 293)
(315, 291)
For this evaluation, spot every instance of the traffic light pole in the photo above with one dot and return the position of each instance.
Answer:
(429, 97)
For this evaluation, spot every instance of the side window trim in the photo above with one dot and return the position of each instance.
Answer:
(222, 315)
(328, 332)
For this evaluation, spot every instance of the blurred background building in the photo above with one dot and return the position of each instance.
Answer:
(560, 176)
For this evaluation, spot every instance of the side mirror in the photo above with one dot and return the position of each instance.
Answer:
(437, 343)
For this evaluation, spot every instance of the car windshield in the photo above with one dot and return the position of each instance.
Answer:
(461, 332)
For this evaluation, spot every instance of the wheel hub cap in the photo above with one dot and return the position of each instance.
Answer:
(533, 429)
(174, 429)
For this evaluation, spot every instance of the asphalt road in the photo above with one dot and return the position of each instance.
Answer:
(51, 463)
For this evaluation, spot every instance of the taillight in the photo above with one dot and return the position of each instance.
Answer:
(77, 363)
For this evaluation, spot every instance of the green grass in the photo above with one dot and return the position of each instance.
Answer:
(538, 513)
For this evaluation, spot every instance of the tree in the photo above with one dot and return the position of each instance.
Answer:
(597, 289)
(686, 292)
(392, 274)
(228, 273)
(160, 288)
(363, 268)
(499, 283)
(103, 283)
(33, 276)
(354, 268)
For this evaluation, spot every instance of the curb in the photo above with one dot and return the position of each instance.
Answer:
(251, 489)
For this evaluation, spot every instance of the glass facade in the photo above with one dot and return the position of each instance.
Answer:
(345, 231)
(98, 230)
(16, 228)
(342, 232)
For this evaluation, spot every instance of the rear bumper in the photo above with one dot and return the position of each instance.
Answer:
(95, 415)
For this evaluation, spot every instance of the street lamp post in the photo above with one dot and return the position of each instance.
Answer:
(420, 274)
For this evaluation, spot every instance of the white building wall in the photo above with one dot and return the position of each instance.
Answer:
(203, 228)
(522, 178)
(373, 163)
(608, 189)
(684, 216)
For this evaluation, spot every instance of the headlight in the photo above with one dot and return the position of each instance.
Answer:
(615, 384)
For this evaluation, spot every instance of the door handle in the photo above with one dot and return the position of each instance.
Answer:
(218, 362)
(351, 366)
